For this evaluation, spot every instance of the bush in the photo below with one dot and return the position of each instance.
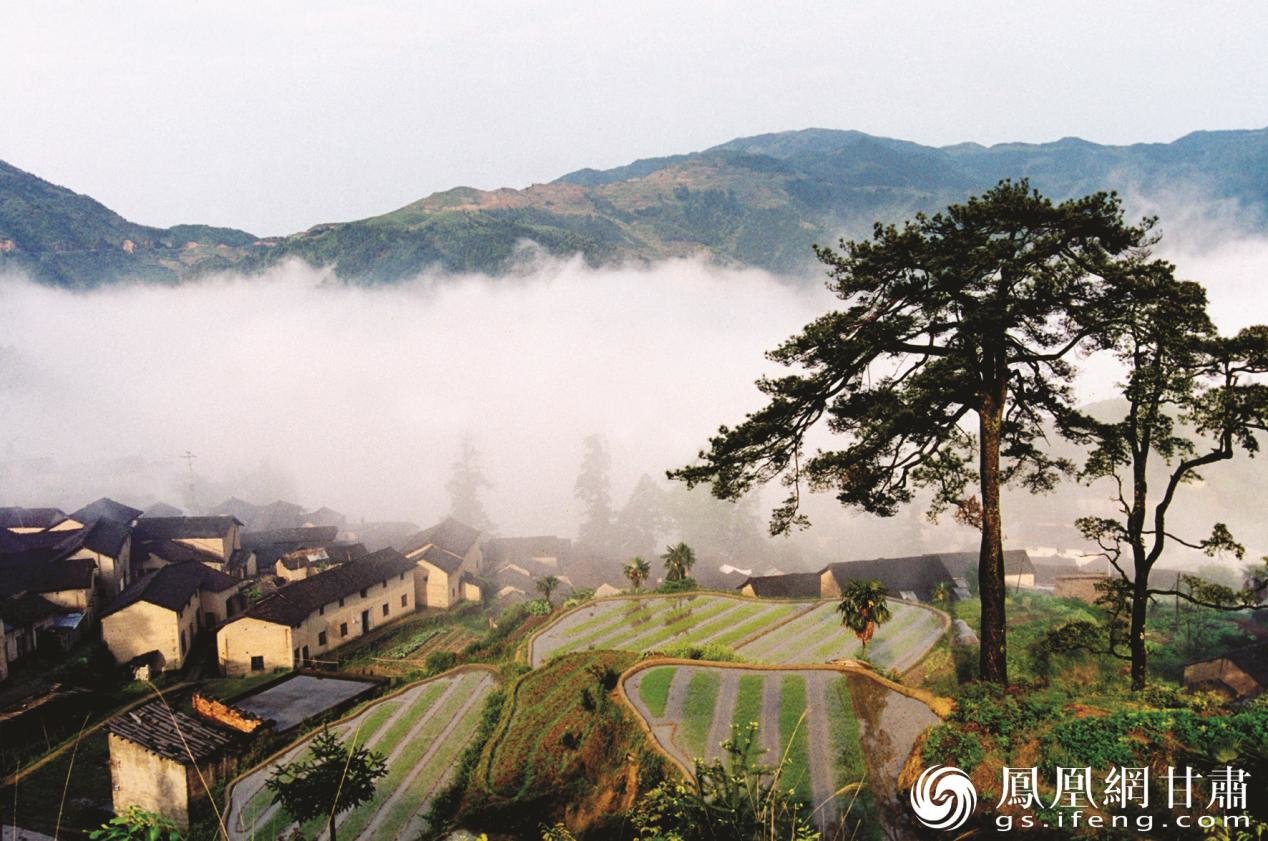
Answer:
(441, 661)
(702, 651)
(948, 745)
(538, 607)
(683, 585)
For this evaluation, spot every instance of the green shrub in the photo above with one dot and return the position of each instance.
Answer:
(441, 661)
(948, 745)
(682, 585)
(702, 651)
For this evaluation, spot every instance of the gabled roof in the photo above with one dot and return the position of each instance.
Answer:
(106, 537)
(277, 515)
(440, 558)
(26, 609)
(964, 564)
(794, 585)
(106, 509)
(172, 586)
(172, 734)
(172, 552)
(234, 507)
(293, 603)
(14, 517)
(303, 537)
(177, 528)
(324, 516)
(162, 509)
(920, 573)
(53, 544)
(449, 534)
(19, 574)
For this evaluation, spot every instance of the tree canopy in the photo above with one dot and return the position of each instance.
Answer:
(969, 312)
(334, 780)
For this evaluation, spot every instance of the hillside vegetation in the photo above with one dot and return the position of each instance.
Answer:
(755, 201)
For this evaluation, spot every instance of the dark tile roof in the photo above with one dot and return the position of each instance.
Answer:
(1253, 660)
(919, 574)
(20, 574)
(26, 609)
(42, 518)
(964, 564)
(441, 558)
(793, 585)
(379, 535)
(53, 543)
(172, 734)
(240, 558)
(277, 515)
(324, 516)
(172, 586)
(293, 603)
(172, 552)
(175, 528)
(106, 537)
(162, 509)
(449, 534)
(106, 509)
(234, 507)
(301, 537)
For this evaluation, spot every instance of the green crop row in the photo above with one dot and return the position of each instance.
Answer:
(698, 710)
(648, 640)
(646, 610)
(749, 628)
(794, 738)
(653, 688)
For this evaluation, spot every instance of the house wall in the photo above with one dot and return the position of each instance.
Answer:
(247, 637)
(221, 547)
(112, 573)
(377, 595)
(828, 586)
(81, 600)
(143, 627)
(216, 604)
(141, 778)
(433, 587)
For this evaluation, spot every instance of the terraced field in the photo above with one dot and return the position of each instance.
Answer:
(760, 631)
(422, 731)
(830, 729)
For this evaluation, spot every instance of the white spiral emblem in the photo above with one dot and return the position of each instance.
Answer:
(943, 797)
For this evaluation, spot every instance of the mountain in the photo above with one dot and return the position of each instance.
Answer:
(758, 201)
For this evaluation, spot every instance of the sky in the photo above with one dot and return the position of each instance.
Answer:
(277, 116)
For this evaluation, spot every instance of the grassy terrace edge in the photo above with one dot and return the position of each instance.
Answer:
(940, 706)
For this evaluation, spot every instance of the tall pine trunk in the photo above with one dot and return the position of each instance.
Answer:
(993, 655)
(1140, 656)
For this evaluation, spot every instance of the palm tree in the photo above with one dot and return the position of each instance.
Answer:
(863, 607)
(678, 559)
(637, 571)
(546, 586)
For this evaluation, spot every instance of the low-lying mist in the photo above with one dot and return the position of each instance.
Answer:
(292, 385)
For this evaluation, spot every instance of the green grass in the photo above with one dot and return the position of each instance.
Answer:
(697, 710)
(654, 689)
(748, 701)
(794, 736)
(843, 730)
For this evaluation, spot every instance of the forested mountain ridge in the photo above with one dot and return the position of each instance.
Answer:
(756, 201)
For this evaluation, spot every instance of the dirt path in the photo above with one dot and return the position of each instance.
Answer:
(723, 710)
(476, 693)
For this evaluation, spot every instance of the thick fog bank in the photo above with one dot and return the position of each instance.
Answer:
(294, 386)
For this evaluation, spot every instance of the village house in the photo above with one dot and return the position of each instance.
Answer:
(162, 509)
(311, 618)
(447, 556)
(108, 543)
(26, 618)
(543, 550)
(165, 610)
(796, 585)
(160, 759)
(214, 536)
(1239, 675)
(302, 563)
(26, 520)
(1079, 585)
(271, 545)
(106, 509)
